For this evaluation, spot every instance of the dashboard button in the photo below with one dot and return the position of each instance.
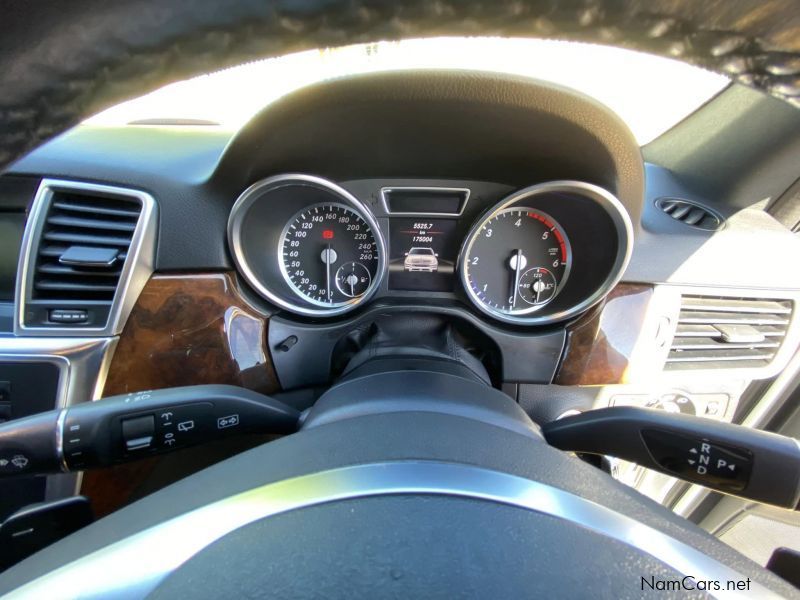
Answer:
(138, 432)
(71, 315)
(716, 405)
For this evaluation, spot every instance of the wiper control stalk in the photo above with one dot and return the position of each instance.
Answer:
(124, 428)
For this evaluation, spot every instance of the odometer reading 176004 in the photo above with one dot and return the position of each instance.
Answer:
(328, 254)
(515, 262)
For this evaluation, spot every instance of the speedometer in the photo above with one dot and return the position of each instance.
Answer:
(515, 261)
(329, 254)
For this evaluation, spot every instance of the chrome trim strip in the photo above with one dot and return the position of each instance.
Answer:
(253, 194)
(133, 567)
(83, 362)
(135, 273)
(385, 203)
(62, 417)
(615, 210)
(777, 393)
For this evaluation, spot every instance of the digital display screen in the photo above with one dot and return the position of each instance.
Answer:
(423, 254)
(425, 201)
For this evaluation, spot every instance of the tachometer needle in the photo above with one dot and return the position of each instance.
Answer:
(516, 264)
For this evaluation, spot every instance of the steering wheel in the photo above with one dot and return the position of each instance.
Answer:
(409, 477)
(404, 480)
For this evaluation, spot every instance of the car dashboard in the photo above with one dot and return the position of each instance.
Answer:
(518, 217)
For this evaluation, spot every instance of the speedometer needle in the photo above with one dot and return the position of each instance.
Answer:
(328, 270)
(329, 257)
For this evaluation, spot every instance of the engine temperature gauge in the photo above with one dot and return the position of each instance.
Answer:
(537, 286)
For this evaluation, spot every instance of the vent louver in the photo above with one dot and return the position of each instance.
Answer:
(83, 246)
(690, 213)
(728, 333)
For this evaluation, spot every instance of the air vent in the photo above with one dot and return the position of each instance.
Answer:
(690, 213)
(87, 252)
(728, 333)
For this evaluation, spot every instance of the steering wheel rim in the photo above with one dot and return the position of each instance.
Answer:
(467, 449)
(57, 67)
(415, 455)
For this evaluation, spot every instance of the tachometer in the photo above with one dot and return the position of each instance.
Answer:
(328, 254)
(515, 261)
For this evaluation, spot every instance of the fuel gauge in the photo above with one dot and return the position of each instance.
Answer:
(353, 279)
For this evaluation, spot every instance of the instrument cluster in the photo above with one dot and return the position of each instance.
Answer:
(530, 256)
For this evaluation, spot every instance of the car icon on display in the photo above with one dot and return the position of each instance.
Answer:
(421, 259)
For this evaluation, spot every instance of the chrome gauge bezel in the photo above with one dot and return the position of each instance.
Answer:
(292, 300)
(613, 208)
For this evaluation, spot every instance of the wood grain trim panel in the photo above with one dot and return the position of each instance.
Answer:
(184, 330)
(600, 344)
(198, 328)
(191, 330)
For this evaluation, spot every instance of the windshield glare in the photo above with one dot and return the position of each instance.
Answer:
(651, 94)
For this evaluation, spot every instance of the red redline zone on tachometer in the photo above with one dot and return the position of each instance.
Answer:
(554, 228)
